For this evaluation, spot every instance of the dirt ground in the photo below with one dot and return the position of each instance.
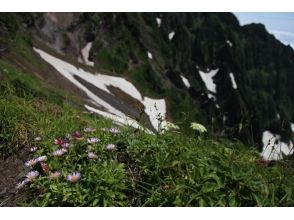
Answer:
(12, 169)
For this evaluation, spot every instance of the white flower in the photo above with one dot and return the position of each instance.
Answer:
(22, 184)
(59, 152)
(110, 146)
(89, 129)
(90, 148)
(31, 162)
(41, 158)
(38, 139)
(92, 155)
(32, 175)
(114, 130)
(54, 175)
(93, 140)
(198, 127)
(171, 126)
(74, 177)
(33, 149)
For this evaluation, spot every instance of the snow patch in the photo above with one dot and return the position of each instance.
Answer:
(225, 118)
(156, 110)
(153, 107)
(234, 84)
(80, 60)
(158, 20)
(171, 35)
(292, 127)
(85, 54)
(118, 120)
(273, 147)
(186, 81)
(229, 43)
(149, 55)
(207, 78)
(211, 96)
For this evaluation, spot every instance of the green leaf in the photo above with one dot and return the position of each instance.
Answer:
(95, 202)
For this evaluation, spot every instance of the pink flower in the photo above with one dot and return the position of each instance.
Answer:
(59, 152)
(22, 184)
(74, 177)
(65, 145)
(31, 163)
(32, 175)
(114, 130)
(110, 146)
(92, 155)
(76, 135)
(45, 167)
(54, 175)
(58, 141)
(93, 140)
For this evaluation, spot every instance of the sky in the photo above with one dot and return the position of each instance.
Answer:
(281, 24)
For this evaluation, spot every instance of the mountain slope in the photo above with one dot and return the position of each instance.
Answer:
(153, 51)
(250, 92)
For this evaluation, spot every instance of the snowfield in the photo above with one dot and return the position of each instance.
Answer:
(274, 148)
(153, 107)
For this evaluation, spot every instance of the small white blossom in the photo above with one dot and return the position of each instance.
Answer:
(93, 140)
(41, 158)
(198, 127)
(110, 146)
(38, 139)
(170, 126)
(33, 149)
(89, 129)
(114, 130)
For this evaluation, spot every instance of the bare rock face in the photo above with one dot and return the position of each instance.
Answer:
(59, 31)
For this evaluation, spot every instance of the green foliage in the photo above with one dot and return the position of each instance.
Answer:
(145, 170)
(27, 107)
(146, 79)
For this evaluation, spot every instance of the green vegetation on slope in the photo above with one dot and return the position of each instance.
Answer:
(143, 170)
